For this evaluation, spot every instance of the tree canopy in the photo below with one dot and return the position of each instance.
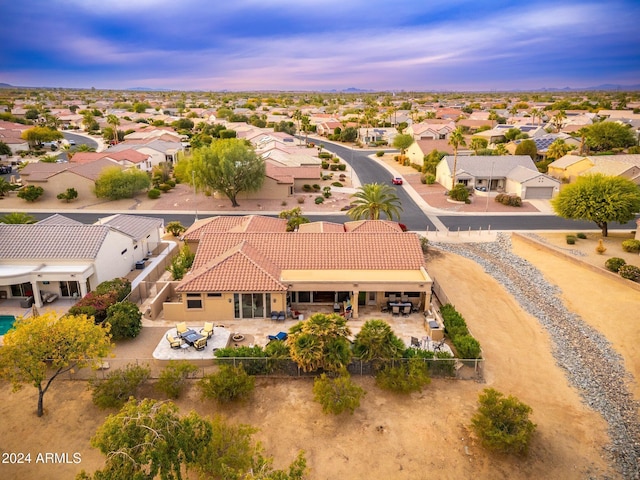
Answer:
(376, 341)
(599, 198)
(527, 147)
(115, 184)
(228, 166)
(402, 142)
(604, 136)
(37, 135)
(320, 342)
(41, 348)
(372, 199)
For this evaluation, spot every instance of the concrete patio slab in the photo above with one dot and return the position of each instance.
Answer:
(220, 339)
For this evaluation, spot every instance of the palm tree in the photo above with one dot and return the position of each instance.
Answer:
(456, 139)
(16, 218)
(376, 341)
(114, 122)
(373, 199)
(536, 113)
(559, 148)
(5, 187)
(557, 120)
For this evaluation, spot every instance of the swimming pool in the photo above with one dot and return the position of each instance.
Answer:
(6, 322)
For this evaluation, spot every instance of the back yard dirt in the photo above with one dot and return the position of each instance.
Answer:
(424, 435)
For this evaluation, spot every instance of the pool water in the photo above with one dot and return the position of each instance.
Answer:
(6, 322)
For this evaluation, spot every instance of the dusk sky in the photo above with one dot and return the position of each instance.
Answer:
(420, 45)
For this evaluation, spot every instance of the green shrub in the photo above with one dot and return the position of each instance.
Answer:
(515, 201)
(502, 424)
(614, 264)
(571, 239)
(120, 286)
(630, 272)
(325, 155)
(125, 319)
(467, 346)
(115, 390)
(316, 187)
(407, 377)
(337, 395)
(334, 168)
(429, 179)
(342, 167)
(325, 165)
(459, 193)
(581, 235)
(171, 183)
(228, 385)
(336, 184)
(319, 200)
(173, 377)
(379, 153)
(252, 367)
(154, 193)
(631, 245)
(306, 187)
(164, 188)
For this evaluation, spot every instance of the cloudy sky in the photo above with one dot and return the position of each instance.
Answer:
(319, 44)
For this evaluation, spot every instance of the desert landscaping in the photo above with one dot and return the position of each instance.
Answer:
(390, 436)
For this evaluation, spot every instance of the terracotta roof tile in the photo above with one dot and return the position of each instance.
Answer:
(370, 226)
(51, 241)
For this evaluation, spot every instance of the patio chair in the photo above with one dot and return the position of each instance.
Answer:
(207, 330)
(281, 316)
(274, 315)
(181, 328)
(404, 298)
(406, 311)
(395, 310)
(200, 344)
(416, 309)
(279, 336)
(174, 342)
(415, 342)
(392, 298)
(437, 347)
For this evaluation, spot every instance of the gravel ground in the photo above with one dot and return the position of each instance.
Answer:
(591, 363)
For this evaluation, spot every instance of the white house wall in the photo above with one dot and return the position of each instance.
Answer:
(111, 262)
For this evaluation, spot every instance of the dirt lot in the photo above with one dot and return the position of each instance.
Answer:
(424, 435)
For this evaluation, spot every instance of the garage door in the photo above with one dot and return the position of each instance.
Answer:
(538, 192)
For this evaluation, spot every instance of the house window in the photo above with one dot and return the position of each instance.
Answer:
(69, 289)
(194, 300)
(213, 295)
(464, 182)
(21, 290)
(251, 305)
(304, 297)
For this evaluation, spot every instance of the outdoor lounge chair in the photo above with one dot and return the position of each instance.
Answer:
(181, 328)
(279, 336)
(274, 315)
(281, 316)
(174, 342)
(415, 342)
(207, 330)
(200, 344)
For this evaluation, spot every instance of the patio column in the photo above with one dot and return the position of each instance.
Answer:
(83, 287)
(354, 304)
(36, 294)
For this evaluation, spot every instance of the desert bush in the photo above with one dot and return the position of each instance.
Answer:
(154, 193)
(515, 201)
(125, 319)
(252, 367)
(325, 155)
(406, 377)
(467, 346)
(120, 286)
(316, 187)
(429, 179)
(614, 264)
(336, 184)
(337, 395)
(379, 153)
(164, 187)
(571, 239)
(175, 228)
(115, 390)
(319, 200)
(459, 193)
(306, 187)
(227, 385)
(630, 272)
(173, 377)
(631, 245)
(325, 165)
(300, 200)
(502, 424)
(581, 235)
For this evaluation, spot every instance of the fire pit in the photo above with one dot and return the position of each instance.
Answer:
(237, 337)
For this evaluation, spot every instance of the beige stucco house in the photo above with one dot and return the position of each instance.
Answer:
(570, 167)
(249, 267)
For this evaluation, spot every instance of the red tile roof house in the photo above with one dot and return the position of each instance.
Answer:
(247, 267)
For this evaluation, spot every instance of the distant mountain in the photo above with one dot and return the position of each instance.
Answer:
(5, 85)
(603, 87)
(147, 89)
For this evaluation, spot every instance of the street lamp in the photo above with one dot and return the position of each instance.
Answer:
(489, 188)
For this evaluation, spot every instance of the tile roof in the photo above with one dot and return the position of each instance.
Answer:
(242, 268)
(321, 227)
(322, 251)
(248, 223)
(63, 241)
(495, 166)
(57, 219)
(133, 226)
(369, 226)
